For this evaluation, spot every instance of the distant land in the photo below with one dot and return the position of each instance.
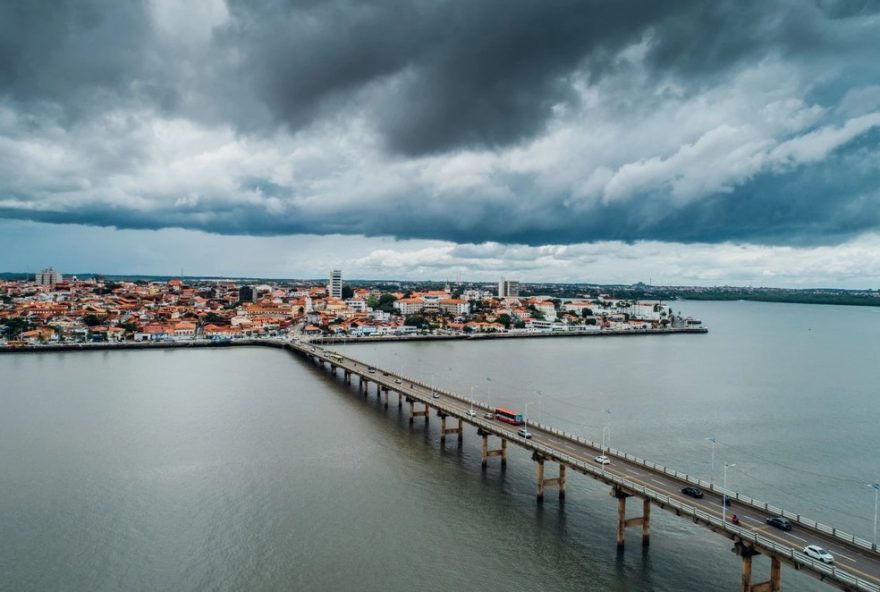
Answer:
(639, 291)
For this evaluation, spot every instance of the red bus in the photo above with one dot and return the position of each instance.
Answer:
(508, 416)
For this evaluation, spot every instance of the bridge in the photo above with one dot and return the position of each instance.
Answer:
(857, 561)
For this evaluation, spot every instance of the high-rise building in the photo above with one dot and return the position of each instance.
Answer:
(335, 286)
(48, 277)
(508, 288)
(247, 294)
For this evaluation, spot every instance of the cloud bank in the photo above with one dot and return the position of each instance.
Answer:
(510, 122)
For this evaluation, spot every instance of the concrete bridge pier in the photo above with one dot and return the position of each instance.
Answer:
(399, 400)
(383, 393)
(623, 522)
(485, 453)
(746, 552)
(413, 414)
(451, 430)
(558, 482)
(347, 377)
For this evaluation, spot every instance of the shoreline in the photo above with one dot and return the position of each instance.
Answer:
(272, 342)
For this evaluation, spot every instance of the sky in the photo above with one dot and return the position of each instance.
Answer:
(678, 142)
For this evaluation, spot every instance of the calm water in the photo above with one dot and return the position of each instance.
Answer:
(248, 469)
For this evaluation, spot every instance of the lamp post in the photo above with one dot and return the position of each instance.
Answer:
(876, 488)
(724, 493)
(607, 429)
(712, 470)
(526, 415)
(432, 386)
(489, 393)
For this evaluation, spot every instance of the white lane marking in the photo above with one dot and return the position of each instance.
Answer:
(794, 536)
(836, 555)
(755, 520)
(658, 481)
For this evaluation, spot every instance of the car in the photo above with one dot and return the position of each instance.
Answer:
(471, 413)
(435, 395)
(602, 460)
(817, 552)
(525, 433)
(371, 370)
(489, 415)
(693, 491)
(779, 522)
(397, 381)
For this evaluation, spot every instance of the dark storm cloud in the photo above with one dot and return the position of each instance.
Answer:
(72, 56)
(459, 73)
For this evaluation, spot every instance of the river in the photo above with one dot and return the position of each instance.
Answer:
(247, 469)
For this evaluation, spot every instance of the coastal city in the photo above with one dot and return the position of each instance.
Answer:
(50, 308)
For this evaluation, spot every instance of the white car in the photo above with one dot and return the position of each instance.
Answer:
(525, 433)
(817, 552)
(397, 381)
(489, 415)
(602, 460)
(471, 413)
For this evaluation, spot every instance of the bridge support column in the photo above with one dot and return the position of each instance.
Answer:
(746, 552)
(383, 392)
(559, 481)
(444, 430)
(347, 377)
(623, 522)
(413, 414)
(485, 453)
(399, 400)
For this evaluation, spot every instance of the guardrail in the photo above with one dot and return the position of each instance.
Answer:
(743, 499)
(684, 477)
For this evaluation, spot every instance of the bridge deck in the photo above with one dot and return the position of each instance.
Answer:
(857, 561)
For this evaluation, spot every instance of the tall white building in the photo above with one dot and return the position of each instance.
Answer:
(335, 285)
(508, 288)
(48, 277)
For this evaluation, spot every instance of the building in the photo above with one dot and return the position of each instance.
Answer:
(48, 277)
(335, 285)
(508, 288)
(247, 294)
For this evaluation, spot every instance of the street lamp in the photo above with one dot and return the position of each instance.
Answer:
(876, 488)
(724, 493)
(526, 415)
(712, 471)
(489, 393)
(607, 429)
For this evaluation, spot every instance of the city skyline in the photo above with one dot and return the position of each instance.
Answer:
(675, 143)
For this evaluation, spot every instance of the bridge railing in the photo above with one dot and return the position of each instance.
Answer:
(784, 551)
(740, 498)
(707, 485)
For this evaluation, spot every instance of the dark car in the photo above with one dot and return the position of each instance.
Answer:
(779, 522)
(693, 492)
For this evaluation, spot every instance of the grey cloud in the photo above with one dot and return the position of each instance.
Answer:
(429, 81)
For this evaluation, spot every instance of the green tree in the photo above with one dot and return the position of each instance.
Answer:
(586, 312)
(347, 292)
(385, 303)
(417, 320)
(504, 319)
(92, 320)
(15, 326)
